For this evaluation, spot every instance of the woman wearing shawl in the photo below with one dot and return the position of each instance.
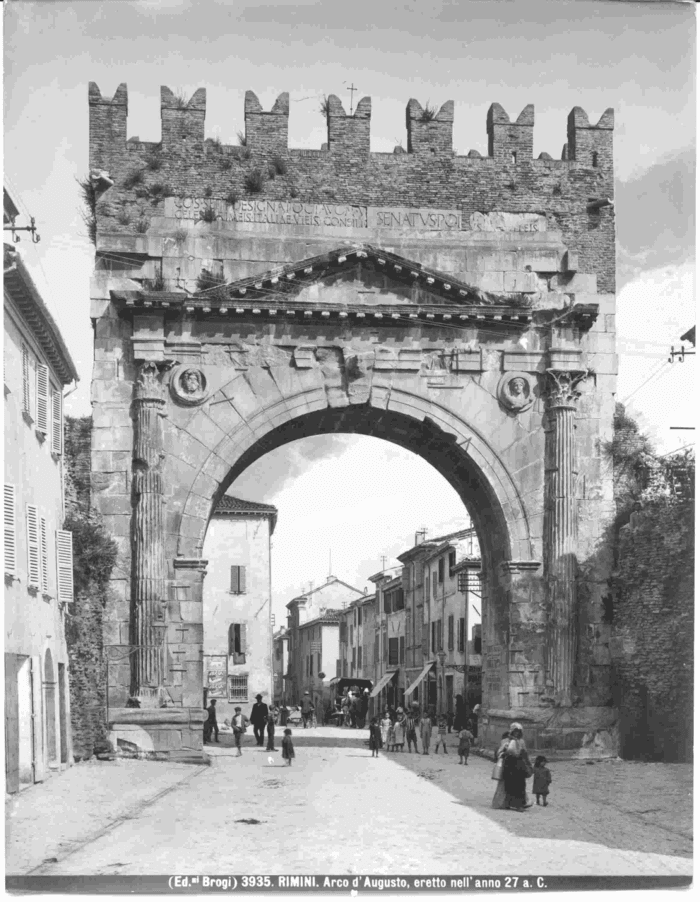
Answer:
(516, 770)
(499, 796)
(400, 729)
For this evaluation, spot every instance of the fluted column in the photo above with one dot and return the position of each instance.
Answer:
(561, 531)
(149, 570)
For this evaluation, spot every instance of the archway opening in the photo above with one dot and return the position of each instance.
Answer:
(228, 676)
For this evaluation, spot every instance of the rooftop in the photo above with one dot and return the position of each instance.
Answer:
(239, 506)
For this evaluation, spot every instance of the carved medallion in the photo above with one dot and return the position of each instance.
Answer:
(188, 385)
(515, 392)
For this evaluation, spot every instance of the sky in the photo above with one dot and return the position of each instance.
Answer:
(350, 493)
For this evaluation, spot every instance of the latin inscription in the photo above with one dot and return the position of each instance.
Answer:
(409, 218)
(270, 212)
(507, 222)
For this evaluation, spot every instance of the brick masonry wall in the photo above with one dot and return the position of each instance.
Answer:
(652, 638)
(345, 171)
(84, 625)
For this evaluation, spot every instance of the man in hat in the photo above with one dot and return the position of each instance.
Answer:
(258, 717)
(307, 708)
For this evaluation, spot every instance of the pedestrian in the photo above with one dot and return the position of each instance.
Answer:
(258, 717)
(411, 731)
(385, 724)
(426, 732)
(284, 713)
(390, 737)
(516, 770)
(499, 796)
(543, 777)
(442, 732)
(270, 733)
(239, 723)
(211, 722)
(400, 729)
(466, 737)
(364, 705)
(375, 737)
(460, 713)
(287, 747)
(307, 709)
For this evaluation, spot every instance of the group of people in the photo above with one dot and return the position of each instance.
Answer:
(398, 728)
(512, 769)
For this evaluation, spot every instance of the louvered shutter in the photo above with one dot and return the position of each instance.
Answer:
(44, 554)
(232, 638)
(26, 399)
(33, 574)
(10, 534)
(64, 565)
(234, 582)
(241, 581)
(450, 632)
(42, 398)
(402, 649)
(243, 641)
(56, 422)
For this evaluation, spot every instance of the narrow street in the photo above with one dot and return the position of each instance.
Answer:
(338, 811)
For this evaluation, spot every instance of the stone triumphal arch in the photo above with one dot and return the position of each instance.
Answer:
(461, 306)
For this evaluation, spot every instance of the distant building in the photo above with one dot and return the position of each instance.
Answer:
(37, 550)
(237, 605)
(355, 656)
(317, 646)
(329, 597)
(280, 664)
(389, 642)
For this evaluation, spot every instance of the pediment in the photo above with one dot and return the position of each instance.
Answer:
(362, 274)
(357, 280)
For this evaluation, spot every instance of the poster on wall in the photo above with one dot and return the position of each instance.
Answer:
(216, 677)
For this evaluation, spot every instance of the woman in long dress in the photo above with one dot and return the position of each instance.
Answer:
(384, 726)
(499, 796)
(516, 769)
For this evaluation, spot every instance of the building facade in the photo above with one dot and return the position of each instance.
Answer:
(238, 654)
(356, 638)
(280, 665)
(389, 643)
(317, 646)
(37, 550)
(306, 609)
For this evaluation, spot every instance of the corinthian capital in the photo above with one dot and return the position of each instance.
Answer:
(148, 382)
(562, 387)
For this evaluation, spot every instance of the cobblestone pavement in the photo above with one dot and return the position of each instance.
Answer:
(338, 811)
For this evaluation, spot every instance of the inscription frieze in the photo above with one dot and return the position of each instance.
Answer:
(507, 222)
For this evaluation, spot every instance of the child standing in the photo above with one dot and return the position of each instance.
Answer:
(540, 785)
(375, 737)
(442, 732)
(270, 733)
(385, 724)
(390, 737)
(287, 747)
(466, 737)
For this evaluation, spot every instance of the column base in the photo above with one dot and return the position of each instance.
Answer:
(562, 732)
(159, 734)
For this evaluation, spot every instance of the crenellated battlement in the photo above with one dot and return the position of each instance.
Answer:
(427, 131)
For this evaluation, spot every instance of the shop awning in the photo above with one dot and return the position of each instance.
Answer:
(387, 678)
(334, 681)
(419, 679)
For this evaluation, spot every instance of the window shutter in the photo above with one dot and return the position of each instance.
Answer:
(26, 395)
(439, 632)
(42, 398)
(450, 632)
(232, 638)
(64, 561)
(426, 639)
(10, 535)
(243, 640)
(435, 582)
(241, 580)
(56, 422)
(234, 581)
(33, 574)
(402, 649)
(44, 554)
